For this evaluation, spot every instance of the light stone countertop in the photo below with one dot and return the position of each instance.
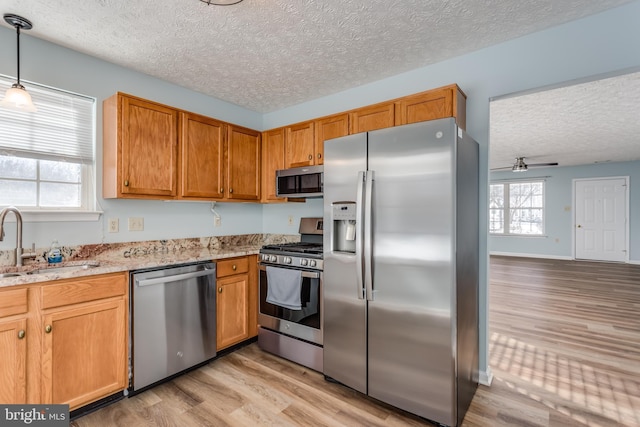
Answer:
(111, 258)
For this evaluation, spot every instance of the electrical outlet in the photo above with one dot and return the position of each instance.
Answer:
(114, 225)
(136, 224)
(290, 220)
(217, 221)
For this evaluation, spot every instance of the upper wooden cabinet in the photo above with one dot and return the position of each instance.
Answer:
(201, 157)
(329, 128)
(272, 160)
(299, 145)
(140, 148)
(243, 164)
(373, 117)
(152, 151)
(448, 101)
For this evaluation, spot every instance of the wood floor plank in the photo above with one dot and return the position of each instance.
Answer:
(564, 349)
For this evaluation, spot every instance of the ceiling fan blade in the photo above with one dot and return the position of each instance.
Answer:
(534, 165)
(501, 169)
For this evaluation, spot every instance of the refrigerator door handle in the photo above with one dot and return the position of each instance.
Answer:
(359, 235)
(368, 235)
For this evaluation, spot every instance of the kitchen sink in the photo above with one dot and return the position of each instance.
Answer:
(66, 268)
(51, 269)
(14, 274)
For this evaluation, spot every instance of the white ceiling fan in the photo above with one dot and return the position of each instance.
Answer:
(521, 166)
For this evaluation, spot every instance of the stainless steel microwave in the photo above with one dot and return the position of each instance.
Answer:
(306, 181)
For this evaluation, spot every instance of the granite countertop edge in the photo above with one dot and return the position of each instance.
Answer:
(134, 262)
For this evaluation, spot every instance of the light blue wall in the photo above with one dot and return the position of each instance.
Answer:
(559, 212)
(55, 66)
(597, 45)
(603, 43)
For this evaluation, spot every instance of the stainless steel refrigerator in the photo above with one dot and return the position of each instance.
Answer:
(400, 292)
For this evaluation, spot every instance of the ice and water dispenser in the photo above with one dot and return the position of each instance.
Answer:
(344, 226)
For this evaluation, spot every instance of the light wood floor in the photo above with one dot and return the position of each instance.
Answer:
(565, 351)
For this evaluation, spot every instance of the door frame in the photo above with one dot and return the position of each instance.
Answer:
(573, 216)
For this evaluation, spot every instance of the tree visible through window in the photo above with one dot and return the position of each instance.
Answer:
(46, 157)
(516, 208)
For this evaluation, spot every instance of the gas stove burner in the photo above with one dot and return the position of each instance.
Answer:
(296, 247)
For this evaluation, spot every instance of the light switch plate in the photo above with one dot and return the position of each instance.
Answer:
(136, 224)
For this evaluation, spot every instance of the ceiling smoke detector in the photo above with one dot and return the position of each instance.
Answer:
(221, 2)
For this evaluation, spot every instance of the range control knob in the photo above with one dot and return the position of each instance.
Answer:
(312, 263)
(304, 261)
(265, 257)
(273, 258)
(287, 260)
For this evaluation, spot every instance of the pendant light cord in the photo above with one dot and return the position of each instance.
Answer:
(18, 42)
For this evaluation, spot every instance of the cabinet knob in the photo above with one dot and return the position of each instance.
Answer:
(126, 182)
(222, 189)
(310, 157)
(220, 290)
(234, 267)
(231, 190)
(21, 334)
(319, 155)
(47, 329)
(579, 226)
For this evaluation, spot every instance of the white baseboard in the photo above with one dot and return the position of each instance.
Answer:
(486, 377)
(524, 255)
(566, 258)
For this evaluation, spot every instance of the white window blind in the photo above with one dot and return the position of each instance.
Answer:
(61, 129)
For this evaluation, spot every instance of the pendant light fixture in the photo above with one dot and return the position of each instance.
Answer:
(17, 97)
(221, 2)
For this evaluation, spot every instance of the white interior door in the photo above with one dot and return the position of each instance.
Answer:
(601, 219)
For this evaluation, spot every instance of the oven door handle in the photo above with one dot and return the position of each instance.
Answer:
(305, 274)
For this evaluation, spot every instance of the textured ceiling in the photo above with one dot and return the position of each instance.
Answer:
(265, 55)
(584, 123)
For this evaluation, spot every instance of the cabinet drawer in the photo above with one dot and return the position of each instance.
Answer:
(232, 266)
(13, 301)
(83, 289)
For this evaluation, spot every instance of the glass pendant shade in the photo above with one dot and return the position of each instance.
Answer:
(17, 98)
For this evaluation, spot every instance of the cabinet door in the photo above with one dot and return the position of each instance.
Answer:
(232, 310)
(328, 128)
(149, 135)
(434, 104)
(84, 352)
(243, 164)
(272, 160)
(253, 295)
(201, 157)
(13, 348)
(299, 150)
(371, 118)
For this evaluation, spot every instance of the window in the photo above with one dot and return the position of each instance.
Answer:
(47, 157)
(517, 208)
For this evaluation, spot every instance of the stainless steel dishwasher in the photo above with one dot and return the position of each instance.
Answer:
(172, 321)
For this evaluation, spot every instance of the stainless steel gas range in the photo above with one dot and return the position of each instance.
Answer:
(290, 307)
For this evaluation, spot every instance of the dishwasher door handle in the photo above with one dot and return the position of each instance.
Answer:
(174, 278)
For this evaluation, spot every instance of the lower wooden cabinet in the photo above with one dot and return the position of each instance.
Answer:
(64, 341)
(13, 347)
(84, 353)
(236, 301)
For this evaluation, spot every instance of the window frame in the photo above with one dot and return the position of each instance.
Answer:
(506, 208)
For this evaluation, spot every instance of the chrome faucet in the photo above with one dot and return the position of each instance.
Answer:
(19, 255)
